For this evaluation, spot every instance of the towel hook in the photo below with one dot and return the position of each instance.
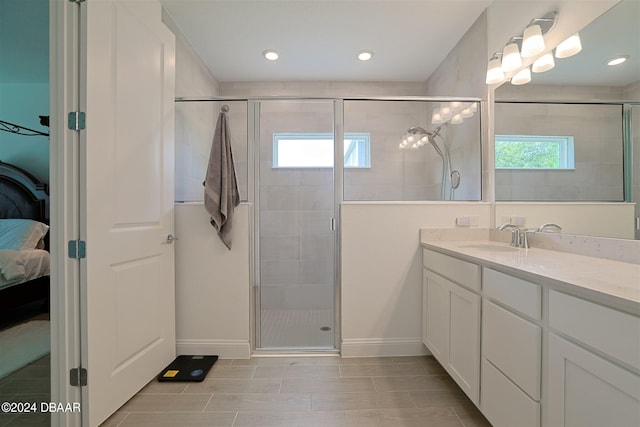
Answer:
(225, 108)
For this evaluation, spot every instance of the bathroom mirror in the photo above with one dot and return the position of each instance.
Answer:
(587, 137)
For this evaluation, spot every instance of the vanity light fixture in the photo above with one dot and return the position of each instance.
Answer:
(544, 63)
(271, 54)
(494, 70)
(365, 55)
(618, 60)
(511, 59)
(522, 77)
(569, 47)
(531, 46)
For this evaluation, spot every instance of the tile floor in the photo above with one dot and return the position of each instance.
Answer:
(29, 384)
(307, 391)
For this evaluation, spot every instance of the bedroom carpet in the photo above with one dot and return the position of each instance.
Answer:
(23, 344)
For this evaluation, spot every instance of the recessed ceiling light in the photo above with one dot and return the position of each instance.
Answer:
(365, 55)
(618, 60)
(271, 54)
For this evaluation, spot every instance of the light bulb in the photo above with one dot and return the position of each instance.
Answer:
(456, 105)
(569, 47)
(619, 60)
(445, 111)
(466, 113)
(494, 72)
(511, 59)
(522, 77)
(544, 63)
(456, 119)
(271, 55)
(436, 118)
(532, 41)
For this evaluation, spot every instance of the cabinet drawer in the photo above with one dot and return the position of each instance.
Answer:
(504, 404)
(610, 331)
(462, 272)
(521, 295)
(513, 345)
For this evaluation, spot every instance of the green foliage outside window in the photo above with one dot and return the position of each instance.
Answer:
(519, 154)
(534, 152)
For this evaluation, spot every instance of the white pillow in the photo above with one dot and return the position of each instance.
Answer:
(21, 234)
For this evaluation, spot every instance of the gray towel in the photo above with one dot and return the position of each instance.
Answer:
(220, 186)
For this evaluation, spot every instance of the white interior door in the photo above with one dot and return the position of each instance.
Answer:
(128, 296)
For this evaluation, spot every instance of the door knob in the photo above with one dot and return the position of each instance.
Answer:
(170, 238)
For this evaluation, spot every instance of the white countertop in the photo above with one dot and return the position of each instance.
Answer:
(613, 280)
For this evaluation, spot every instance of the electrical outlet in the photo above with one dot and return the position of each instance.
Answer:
(518, 220)
(467, 221)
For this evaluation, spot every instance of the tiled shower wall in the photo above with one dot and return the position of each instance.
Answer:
(296, 206)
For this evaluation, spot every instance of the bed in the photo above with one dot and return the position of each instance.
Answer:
(24, 225)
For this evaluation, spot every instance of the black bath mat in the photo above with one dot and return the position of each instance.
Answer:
(188, 368)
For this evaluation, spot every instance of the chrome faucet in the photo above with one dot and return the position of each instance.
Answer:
(515, 233)
(549, 227)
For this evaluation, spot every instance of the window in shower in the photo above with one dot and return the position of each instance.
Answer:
(315, 150)
(534, 152)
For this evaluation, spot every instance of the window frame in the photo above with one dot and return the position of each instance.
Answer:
(566, 156)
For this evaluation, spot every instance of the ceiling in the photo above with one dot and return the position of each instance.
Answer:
(615, 32)
(319, 39)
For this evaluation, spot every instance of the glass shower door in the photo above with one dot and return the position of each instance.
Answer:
(295, 226)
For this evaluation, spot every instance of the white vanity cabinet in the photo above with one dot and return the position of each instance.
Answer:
(537, 349)
(451, 319)
(511, 350)
(594, 363)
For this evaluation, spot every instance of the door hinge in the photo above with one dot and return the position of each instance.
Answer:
(77, 249)
(78, 377)
(76, 120)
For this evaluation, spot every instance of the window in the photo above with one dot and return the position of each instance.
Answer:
(315, 150)
(534, 152)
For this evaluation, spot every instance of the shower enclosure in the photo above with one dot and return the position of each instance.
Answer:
(295, 225)
(297, 160)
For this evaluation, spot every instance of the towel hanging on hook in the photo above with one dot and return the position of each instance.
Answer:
(221, 194)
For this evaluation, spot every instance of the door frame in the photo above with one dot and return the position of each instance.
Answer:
(64, 82)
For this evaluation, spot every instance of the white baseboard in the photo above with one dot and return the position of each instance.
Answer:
(225, 349)
(381, 347)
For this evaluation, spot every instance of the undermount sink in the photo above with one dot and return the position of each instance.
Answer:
(490, 247)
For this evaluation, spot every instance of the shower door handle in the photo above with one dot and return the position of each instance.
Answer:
(332, 224)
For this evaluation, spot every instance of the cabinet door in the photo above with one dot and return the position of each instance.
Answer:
(464, 340)
(588, 391)
(437, 321)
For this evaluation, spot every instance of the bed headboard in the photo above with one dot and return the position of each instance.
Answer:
(22, 195)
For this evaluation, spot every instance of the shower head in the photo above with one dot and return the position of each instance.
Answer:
(415, 137)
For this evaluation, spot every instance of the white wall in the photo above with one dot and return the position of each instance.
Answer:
(381, 289)
(212, 285)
